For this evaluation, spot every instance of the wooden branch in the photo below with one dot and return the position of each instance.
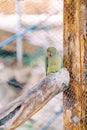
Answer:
(21, 109)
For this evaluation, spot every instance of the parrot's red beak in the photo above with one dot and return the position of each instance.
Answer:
(48, 53)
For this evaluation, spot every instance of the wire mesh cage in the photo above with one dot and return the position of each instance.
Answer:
(75, 59)
(27, 28)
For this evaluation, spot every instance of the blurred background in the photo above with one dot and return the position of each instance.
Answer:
(27, 28)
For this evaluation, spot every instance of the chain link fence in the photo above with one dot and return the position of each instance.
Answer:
(27, 28)
(75, 20)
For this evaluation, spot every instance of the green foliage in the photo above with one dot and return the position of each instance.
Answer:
(32, 59)
(28, 59)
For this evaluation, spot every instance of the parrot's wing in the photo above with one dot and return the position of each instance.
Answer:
(46, 64)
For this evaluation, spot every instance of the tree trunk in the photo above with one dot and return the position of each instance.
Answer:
(75, 60)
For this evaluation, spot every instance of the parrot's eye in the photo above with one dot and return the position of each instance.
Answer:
(48, 53)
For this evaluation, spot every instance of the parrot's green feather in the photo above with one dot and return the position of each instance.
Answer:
(53, 62)
(46, 64)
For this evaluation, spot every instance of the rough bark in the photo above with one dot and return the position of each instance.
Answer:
(21, 109)
(75, 60)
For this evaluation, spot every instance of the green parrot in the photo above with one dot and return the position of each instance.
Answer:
(53, 60)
